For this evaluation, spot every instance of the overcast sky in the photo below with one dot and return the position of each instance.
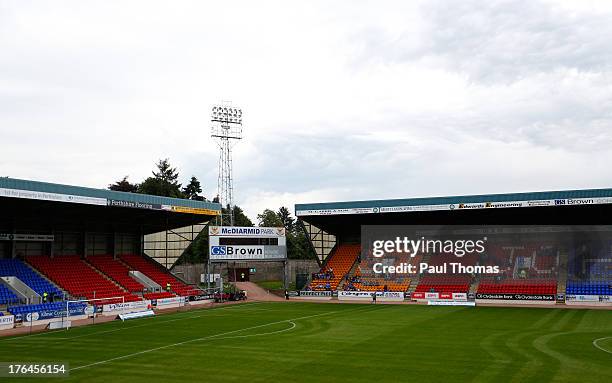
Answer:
(342, 100)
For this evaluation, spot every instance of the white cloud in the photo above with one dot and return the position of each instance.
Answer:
(342, 100)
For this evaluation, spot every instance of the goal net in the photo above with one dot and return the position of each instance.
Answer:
(86, 307)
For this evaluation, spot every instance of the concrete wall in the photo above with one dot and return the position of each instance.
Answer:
(265, 271)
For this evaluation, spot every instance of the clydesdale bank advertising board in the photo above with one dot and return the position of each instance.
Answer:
(237, 243)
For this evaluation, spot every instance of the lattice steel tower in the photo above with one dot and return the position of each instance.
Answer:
(226, 130)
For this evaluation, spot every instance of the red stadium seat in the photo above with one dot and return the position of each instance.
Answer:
(116, 270)
(81, 280)
(159, 275)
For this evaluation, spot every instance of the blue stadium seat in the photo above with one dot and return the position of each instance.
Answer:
(16, 268)
(589, 287)
(44, 306)
(7, 296)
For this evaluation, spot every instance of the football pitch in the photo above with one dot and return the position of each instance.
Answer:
(314, 342)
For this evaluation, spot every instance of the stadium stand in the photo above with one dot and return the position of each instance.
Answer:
(364, 279)
(448, 283)
(444, 284)
(116, 270)
(78, 278)
(544, 263)
(7, 296)
(16, 268)
(518, 286)
(160, 295)
(440, 259)
(589, 288)
(358, 282)
(52, 306)
(159, 275)
(529, 269)
(339, 264)
(590, 270)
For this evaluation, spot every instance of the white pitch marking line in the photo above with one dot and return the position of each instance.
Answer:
(293, 325)
(129, 327)
(202, 338)
(601, 348)
(192, 340)
(205, 314)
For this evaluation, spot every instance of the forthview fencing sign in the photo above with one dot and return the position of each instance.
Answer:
(55, 197)
(27, 237)
(7, 320)
(234, 243)
(79, 199)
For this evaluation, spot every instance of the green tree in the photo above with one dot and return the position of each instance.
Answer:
(269, 218)
(124, 186)
(193, 189)
(298, 246)
(164, 182)
(287, 220)
(297, 242)
(240, 219)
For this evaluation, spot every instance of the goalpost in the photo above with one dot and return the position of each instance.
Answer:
(202, 294)
(93, 303)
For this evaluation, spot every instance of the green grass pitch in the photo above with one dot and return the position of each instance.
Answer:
(311, 342)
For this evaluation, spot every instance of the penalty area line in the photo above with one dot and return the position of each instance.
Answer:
(601, 348)
(194, 340)
(207, 338)
(151, 321)
(293, 325)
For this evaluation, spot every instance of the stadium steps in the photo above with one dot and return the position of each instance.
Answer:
(121, 261)
(414, 282)
(111, 280)
(129, 267)
(79, 278)
(118, 259)
(323, 265)
(159, 274)
(43, 276)
(416, 279)
(160, 267)
(341, 260)
(474, 286)
(349, 275)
